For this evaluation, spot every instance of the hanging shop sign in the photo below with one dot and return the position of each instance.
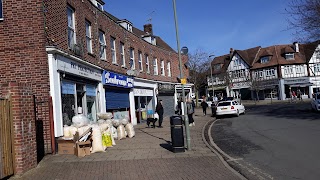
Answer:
(67, 65)
(118, 80)
(165, 88)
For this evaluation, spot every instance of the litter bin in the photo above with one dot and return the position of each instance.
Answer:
(177, 138)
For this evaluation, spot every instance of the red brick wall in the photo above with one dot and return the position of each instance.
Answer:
(23, 58)
(24, 133)
(57, 34)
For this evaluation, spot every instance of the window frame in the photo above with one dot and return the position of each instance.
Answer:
(317, 67)
(1, 10)
(264, 59)
(162, 70)
(102, 55)
(113, 50)
(300, 69)
(140, 61)
(71, 27)
(131, 61)
(122, 55)
(169, 68)
(88, 36)
(155, 67)
(147, 63)
(288, 70)
(289, 56)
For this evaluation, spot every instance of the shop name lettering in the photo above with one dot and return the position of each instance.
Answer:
(81, 68)
(123, 82)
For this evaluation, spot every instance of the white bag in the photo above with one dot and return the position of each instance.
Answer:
(97, 145)
(156, 115)
(121, 132)
(130, 130)
(80, 120)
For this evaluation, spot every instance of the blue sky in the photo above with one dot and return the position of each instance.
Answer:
(214, 26)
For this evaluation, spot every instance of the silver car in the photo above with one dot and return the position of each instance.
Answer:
(315, 102)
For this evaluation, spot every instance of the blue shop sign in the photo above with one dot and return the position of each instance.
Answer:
(114, 79)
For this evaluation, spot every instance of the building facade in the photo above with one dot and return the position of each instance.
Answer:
(77, 58)
(273, 72)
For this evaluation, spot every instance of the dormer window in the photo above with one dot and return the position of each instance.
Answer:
(125, 24)
(98, 3)
(100, 6)
(289, 56)
(264, 59)
(217, 67)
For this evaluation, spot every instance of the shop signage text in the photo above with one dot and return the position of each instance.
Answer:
(67, 65)
(297, 80)
(165, 87)
(114, 79)
(142, 92)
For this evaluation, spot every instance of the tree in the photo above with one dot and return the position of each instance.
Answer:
(304, 18)
(198, 66)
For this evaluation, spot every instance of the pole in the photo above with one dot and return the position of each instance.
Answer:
(211, 78)
(186, 120)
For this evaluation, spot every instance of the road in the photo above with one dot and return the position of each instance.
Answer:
(278, 141)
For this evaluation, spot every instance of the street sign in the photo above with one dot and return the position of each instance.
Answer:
(183, 81)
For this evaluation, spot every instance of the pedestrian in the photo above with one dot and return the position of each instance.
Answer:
(204, 106)
(299, 95)
(190, 111)
(294, 95)
(159, 110)
(178, 108)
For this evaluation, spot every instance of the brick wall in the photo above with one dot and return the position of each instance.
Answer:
(23, 58)
(57, 35)
(24, 134)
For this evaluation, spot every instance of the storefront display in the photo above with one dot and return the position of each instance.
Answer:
(117, 88)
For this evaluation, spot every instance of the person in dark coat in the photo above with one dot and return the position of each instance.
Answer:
(204, 106)
(159, 110)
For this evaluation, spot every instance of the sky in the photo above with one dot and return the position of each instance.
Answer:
(212, 26)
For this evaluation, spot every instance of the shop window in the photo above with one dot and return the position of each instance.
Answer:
(68, 101)
(91, 102)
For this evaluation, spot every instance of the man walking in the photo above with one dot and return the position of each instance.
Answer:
(159, 110)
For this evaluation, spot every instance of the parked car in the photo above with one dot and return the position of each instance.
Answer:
(230, 107)
(315, 102)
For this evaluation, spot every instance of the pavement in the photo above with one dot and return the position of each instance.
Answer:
(148, 155)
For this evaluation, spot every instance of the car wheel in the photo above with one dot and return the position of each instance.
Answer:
(244, 111)
(238, 114)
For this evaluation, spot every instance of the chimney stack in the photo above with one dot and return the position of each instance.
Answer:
(148, 29)
(296, 46)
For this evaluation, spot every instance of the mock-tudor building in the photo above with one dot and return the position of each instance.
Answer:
(59, 58)
(270, 72)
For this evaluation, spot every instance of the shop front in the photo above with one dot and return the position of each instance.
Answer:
(117, 90)
(74, 87)
(241, 90)
(144, 103)
(166, 92)
(302, 84)
(266, 89)
(178, 93)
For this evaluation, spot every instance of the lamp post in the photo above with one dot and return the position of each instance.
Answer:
(185, 51)
(211, 76)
